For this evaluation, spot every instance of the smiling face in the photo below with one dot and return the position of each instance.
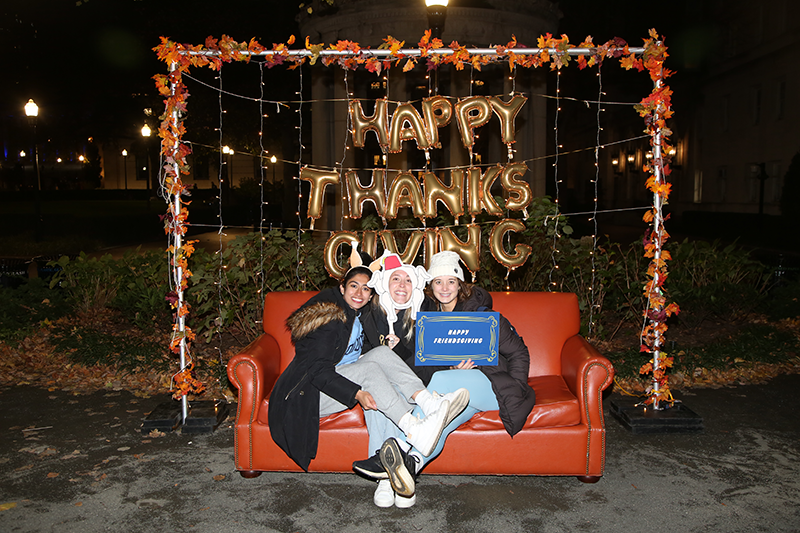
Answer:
(445, 290)
(355, 291)
(400, 286)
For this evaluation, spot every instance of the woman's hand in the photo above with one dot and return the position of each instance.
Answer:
(366, 400)
(464, 365)
(392, 340)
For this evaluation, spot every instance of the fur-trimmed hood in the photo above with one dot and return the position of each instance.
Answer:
(312, 316)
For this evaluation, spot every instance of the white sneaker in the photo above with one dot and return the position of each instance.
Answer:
(403, 502)
(424, 434)
(458, 402)
(384, 495)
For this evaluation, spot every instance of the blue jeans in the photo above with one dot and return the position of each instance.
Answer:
(481, 398)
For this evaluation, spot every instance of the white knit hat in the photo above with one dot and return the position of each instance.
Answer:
(445, 264)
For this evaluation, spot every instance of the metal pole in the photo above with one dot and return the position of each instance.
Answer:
(177, 233)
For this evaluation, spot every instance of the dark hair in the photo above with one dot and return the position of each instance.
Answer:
(353, 272)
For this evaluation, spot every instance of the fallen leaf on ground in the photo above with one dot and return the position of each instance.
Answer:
(219, 477)
(52, 474)
(7, 506)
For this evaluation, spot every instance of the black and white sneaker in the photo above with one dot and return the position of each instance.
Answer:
(371, 468)
(400, 466)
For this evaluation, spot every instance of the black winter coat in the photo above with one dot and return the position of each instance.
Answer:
(509, 378)
(320, 332)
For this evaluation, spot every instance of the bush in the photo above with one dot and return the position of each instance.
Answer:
(708, 280)
(144, 283)
(227, 290)
(28, 305)
(88, 282)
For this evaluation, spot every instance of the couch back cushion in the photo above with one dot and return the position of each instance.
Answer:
(545, 320)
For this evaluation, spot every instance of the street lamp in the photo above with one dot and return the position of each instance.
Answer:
(146, 135)
(437, 12)
(32, 112)
(125, 165)
(227, 150)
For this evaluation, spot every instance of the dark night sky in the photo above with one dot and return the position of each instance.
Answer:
(88, 63)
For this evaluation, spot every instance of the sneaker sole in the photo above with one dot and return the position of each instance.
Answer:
(457, 406)
(401, 479)
(401, 502)
(371, 475)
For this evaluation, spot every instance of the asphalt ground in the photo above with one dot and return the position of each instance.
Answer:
(82, 464)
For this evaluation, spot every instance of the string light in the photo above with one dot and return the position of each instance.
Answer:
(592, 292)
(555, 216)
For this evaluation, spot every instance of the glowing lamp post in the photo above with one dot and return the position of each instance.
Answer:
(32, 112)
(146, 135)
(125, 167)
(437, 12)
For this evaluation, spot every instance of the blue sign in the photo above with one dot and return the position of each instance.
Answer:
(446, 339)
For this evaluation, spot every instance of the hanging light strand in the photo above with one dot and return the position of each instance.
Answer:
(593, 296)
(552, 283)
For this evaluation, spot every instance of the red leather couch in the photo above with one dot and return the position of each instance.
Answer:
(564, 435)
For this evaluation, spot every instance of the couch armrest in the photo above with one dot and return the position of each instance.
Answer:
(254, 372)
(587, 374)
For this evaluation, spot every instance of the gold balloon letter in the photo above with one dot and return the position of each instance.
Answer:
(434, 121)
(450, 196)
(519, 192)
(405, 192)
(319, 180)
(398, 131)
(332, 246)
(507, 112)
(377, 122)
(373, 192)
(472, 112)
(480, 190)
(521, 251)
(469, 251)
(412, 246)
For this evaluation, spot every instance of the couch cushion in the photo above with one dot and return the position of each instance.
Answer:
(345, 419)
(555, 406)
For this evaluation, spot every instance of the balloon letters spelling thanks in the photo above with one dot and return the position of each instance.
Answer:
(467, 191)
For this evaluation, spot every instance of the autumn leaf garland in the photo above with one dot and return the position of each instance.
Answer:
(655, 109)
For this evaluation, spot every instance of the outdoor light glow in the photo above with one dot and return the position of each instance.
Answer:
(58, 160)
(146, 131)
(22, 153)
(436, 2)
(31, 109)
(273, 159)
(81, 158)
(124, 153)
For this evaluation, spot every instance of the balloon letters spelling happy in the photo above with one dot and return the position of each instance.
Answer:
(398, 131)
(472, 113)
(507, 112)
(377, 122)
